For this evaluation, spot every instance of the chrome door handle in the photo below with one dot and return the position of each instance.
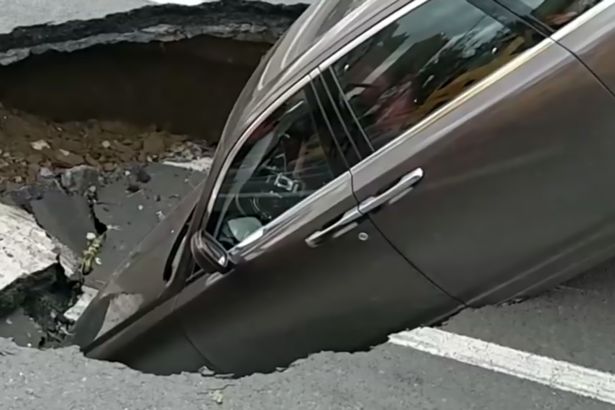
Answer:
(393, 194)
(340, 227)
(348, 221)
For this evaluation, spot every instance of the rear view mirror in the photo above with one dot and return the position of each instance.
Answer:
(209, 254)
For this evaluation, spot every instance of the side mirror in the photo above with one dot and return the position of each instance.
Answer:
(209, 254)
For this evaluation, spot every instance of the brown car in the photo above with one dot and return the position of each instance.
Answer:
(389, 163)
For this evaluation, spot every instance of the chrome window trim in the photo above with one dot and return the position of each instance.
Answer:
(265, 237)
(425, 122)
(455, 102)
(255, 236)
(396, 15)
(233, 153)
(461, 99)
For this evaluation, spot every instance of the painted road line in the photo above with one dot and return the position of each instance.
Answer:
(553, 373)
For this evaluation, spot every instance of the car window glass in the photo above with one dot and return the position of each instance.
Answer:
(286, 159)
(558, 13)
(423, 61)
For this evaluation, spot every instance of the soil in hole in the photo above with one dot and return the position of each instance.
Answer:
(122, 103)
(183, 87)
(31, 147)
(107, 106)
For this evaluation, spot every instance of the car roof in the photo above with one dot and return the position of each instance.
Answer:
(318, 31)
(310, 28)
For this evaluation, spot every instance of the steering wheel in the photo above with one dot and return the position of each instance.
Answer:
(268, 194)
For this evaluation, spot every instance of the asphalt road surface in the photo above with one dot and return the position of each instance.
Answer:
(30, 12)
(551, 352)
(570, 328)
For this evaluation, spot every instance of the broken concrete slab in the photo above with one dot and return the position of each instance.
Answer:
(66, 217)
(70, 262)
(242, 20)
(131, 216)
(25, 248)
(80, 179)
(36, 12)
(87, 295)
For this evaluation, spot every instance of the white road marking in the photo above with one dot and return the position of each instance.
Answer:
(553, 373)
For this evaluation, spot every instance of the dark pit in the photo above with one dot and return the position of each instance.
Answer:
(123, 99)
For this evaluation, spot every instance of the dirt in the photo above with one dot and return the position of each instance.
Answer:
(184, 87)
(32, 147)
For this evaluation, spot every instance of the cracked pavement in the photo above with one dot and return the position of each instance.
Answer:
(32, 12)
(571, 323)
(387, 377)
(38, 148)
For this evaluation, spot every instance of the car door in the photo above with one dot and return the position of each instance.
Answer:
(511, 134)
(591, 37)
(311, 272)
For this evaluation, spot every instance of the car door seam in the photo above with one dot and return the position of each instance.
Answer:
(413, 265)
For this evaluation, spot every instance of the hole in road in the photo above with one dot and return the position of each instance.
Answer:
(118, 103)
(107, 107)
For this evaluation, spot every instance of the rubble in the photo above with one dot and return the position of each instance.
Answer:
(33, 147)
(87, 295)
(111, 162)
(66, 217)
(80, 179)
(133, 215)
(25, 248)
(34, 289)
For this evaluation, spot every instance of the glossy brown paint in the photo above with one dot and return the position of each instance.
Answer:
(517, 181)
(516, 195)
(285, 300)
(135, 306)
(592, 40)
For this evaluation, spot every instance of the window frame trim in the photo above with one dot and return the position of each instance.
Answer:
(327, 64)
(306, 81)
(370, 32)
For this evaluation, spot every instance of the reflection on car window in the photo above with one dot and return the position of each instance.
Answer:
(423, 61)
(558, 13)
(284, 160)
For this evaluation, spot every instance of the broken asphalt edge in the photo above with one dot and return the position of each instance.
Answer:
(234, 19)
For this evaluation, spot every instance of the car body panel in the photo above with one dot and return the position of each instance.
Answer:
(138, 285)
(297, 54)
(499, 211)
(517, 179)
(285, 300)
(592, 38)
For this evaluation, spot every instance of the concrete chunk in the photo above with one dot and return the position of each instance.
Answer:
(83, 302)
(67, 217)
(25, 247)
